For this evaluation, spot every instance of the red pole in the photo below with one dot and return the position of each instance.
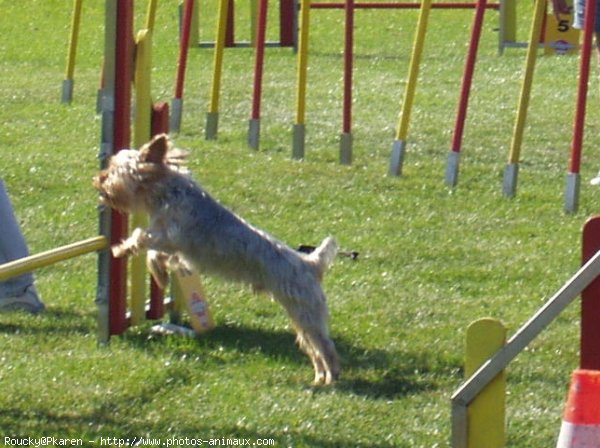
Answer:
(348, 58)
(160, 124)
(286, 23)
(230, 30)
(260, 57)
(183, 47)
(468, 76)
(590, 299)
(122, 134)
(584, 72)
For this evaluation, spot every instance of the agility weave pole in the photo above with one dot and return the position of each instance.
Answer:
(299, 128)
(287, 26)
(184, 44)
(259, 42)
(511, 171)
(461, 115)
(212, 116)
(68, 82)
(398, 147)
(399, 144)
(573, 176)
(346, 135)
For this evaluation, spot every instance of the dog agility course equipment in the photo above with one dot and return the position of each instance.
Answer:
(52, 256)
(573, 176)
(287, 26)
(225, 38)
(585, 282)
(399, 145)
(461, 115)
(114, 318)
(184, 44)
(224, 29)
(487, 412)
(261, 27)
(67, 85)
(349, 6)
(512, 167)
(299, 128)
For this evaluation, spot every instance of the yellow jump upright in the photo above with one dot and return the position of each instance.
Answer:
(141, 134)
(399, 145)
(486, 427)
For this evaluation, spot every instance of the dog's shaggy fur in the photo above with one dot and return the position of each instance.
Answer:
(188, 224)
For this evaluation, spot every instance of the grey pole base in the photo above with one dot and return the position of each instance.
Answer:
(298, 141)
(254, 133)
(452, 169)
(176, 111)
(572, 192)
(67, 91)
(511, 173)
(346, 148)
(212, 125)
(397, 157)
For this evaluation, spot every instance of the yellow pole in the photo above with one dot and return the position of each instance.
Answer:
(302, 61)
(213, 110)
(507, 32)
(142, 81)
(399, 145)
(301, 72)
(67, 88)
(415, 62)
(33, 262)
(486, 414)
(75, 21)
(151, 15)
(536, 29)
(512, 168)
(141, 135)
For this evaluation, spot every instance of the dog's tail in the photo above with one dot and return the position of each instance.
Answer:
(323, 255)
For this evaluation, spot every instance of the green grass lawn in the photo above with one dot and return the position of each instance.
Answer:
(432, 259)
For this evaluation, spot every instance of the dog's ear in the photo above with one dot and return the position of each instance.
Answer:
(156, 150)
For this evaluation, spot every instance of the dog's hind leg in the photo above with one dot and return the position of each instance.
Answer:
(306, 347)
(325, 357)
(157, 263)
(310, 323)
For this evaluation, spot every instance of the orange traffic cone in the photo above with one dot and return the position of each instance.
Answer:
(581, 421)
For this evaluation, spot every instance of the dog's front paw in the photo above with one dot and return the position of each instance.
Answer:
(120, 250)
(131, 246)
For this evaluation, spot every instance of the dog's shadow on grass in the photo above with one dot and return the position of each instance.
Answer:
(375, 373)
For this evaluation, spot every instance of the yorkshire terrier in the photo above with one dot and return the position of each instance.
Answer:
(189, 226)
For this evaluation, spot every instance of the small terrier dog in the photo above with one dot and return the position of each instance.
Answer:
(188, 226)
